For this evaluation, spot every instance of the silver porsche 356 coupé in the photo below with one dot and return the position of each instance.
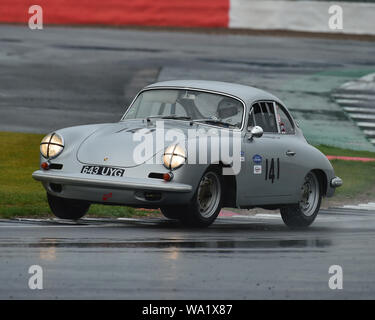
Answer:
(189, 148)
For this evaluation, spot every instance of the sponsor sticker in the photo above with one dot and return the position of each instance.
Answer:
(257, 159)
(257, 169)
(242, 156)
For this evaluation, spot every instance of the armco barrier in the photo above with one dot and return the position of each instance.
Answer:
(359, 18)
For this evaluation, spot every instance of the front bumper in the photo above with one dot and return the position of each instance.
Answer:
(104, 182)
(126, 191)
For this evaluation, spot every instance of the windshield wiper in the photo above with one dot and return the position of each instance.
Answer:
(169, 117)
(215, 121)
(177, 117)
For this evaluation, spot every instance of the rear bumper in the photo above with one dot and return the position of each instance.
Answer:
(336, 182)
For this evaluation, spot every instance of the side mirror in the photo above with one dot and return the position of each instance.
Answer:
(256, 132)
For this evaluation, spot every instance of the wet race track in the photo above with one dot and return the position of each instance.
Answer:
(240, 257)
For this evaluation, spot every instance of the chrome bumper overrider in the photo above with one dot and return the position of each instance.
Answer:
(336, 182)
(116, 183)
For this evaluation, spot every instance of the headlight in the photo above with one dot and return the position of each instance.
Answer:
(51, 146)
(174, 157)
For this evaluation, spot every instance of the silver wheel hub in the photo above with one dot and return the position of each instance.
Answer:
(309, 195)
(208, 196)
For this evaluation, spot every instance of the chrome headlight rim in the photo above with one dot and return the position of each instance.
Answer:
(49, 142)
(171, 154)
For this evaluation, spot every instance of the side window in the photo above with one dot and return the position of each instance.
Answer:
(251, 122)
(284, 120)
(263, 115)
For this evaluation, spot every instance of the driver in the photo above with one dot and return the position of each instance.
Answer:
(230, 110)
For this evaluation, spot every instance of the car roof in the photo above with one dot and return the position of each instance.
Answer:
(247, 93)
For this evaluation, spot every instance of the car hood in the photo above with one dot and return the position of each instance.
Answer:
(114, 144)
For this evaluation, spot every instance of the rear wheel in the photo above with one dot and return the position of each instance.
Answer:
(67, 208)
(205, 205)
(303, 214)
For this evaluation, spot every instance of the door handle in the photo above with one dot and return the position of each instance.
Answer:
(290, 153)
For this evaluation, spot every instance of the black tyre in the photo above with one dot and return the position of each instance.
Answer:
(171, 212)
(205, 205)
(303, 214)
(67, 208)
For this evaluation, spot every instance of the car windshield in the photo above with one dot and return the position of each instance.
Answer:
(191, 105)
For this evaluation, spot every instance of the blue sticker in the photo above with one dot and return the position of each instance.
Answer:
(257, 159)
(242, 153)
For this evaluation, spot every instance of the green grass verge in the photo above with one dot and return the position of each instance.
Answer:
(359, 180)
(359, 177)
(333, 151)
(21, 196)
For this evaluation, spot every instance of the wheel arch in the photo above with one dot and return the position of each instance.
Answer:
(229, 185)
(323, 180)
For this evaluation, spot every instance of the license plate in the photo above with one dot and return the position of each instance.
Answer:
(103, 171)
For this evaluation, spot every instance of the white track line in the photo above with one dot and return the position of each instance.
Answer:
(362, 206)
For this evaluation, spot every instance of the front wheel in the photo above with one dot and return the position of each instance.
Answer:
(67, 208)
(205, 205)
(303, 214)
(171, 212)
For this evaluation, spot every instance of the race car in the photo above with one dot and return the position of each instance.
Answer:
(189, 148)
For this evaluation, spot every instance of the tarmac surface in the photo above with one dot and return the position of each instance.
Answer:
(239, 257)
(358, 99)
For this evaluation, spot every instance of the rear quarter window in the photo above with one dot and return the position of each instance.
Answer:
(284, 120)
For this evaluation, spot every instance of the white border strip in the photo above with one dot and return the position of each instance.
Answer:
(313, 16)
